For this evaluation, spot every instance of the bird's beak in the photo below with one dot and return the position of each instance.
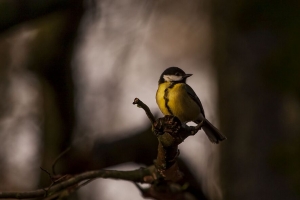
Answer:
(187, 75)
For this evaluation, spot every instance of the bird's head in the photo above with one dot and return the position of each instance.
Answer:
(173, 74)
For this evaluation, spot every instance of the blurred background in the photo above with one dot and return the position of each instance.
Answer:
(69, 71)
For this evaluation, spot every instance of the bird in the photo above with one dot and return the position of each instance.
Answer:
(175, 97)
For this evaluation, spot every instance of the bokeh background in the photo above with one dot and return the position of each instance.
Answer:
(69, 71)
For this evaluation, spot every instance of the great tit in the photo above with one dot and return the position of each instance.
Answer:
(175, 97)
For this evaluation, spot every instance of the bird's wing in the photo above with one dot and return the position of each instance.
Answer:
(193, 95)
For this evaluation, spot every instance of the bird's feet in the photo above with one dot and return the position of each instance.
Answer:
(195, 129)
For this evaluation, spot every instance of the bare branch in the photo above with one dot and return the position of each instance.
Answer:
(135, 175)
(140, 104)
(164, 176)
(170, 132)
(57, 158)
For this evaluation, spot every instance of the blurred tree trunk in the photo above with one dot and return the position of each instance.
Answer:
(4, 106)
(256, 51)
(52, 52)
(14, 12)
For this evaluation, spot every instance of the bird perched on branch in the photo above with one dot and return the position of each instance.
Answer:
(175, 97)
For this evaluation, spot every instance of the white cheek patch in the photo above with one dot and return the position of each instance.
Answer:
(170, 78)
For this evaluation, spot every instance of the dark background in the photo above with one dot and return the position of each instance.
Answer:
(67, 67)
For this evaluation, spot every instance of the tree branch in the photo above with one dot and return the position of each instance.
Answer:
(139, 175)
(164, 176)
(170, 133)
(58, 157)
(140, 104)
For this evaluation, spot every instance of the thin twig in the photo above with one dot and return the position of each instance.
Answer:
(70, 190)
(140, 104)
(57, 158)
(53, 196)
(83, 184)
(44, 170)
(52, 181)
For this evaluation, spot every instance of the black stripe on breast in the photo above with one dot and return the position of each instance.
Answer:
(167, 99)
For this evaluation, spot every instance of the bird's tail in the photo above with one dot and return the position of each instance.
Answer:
(212, 132)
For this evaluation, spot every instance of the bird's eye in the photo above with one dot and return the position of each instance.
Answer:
(177, 73)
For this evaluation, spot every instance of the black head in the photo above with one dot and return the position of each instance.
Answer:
(173, 74)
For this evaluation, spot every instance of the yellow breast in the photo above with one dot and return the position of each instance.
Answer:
(160, 100)
(174, 100)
